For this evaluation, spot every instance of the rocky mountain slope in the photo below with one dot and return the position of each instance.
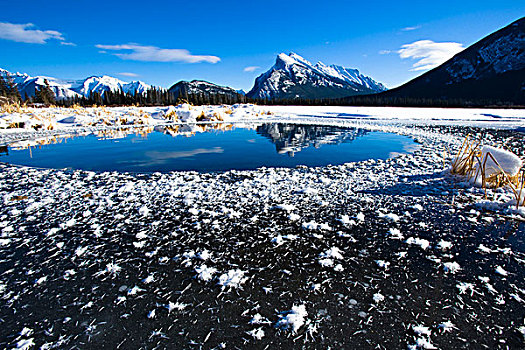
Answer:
(491, 69)
(292, 76)
(204, 88)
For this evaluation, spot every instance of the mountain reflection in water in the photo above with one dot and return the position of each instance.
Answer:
(292, 138)
(205, 147)
(288, 138)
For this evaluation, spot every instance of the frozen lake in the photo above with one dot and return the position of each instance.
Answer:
(388, 254)
(208, 147)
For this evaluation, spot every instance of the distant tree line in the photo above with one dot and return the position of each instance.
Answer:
(150, 97)
(382, 101)
(161, 97)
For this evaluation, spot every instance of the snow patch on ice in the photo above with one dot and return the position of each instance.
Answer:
(205, 273)
(423, 243)
(232, 279)
(451, 267)
(293, 319)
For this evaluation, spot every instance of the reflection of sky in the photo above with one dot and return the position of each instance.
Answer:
(182, 154)
(213, 149)
(159, 157)
(408, 147)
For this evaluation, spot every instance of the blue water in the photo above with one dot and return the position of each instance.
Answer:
(269, 145)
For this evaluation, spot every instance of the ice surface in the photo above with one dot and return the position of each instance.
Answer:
(227, 221)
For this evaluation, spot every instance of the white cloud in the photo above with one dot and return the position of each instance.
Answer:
(385, 52)
(429, 54)
(408, 29)
(251, 68)
(67, 43)
(23, 33)
(128, 74)
(135, 52)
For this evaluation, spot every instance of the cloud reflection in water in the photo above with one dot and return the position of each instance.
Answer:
(159, 157)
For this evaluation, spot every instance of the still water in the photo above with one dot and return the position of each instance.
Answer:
(208, 148)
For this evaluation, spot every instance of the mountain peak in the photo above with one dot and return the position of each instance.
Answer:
(293, 76)
(291, 59)
(299, 58)
(285, 59)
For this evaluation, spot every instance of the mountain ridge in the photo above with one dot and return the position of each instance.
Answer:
(66, 89)
(493, 68)
(202, 87)
(292, 76)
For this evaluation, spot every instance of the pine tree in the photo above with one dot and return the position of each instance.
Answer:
(3, 87)
(14, 94)
(8, 88)
(44, 94)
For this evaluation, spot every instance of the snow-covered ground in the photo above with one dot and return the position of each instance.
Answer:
(390, 253)
(490, 118)
(30, 123)
(67, 118)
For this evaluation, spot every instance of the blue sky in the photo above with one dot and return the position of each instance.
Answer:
(232, 42)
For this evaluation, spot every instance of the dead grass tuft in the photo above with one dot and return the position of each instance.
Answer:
(14, 107)
(171, 115)
(201, 117)
(471, 163)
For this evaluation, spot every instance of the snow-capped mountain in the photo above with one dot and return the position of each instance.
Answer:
(107, 83)
(201, 87)
(292, 76)
(491, 69)
(26, 85)
(64, 89)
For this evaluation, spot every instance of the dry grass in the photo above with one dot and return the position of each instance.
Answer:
(465, 162)
(218, 117)
(15, 107)
(471, 163)
(171, 115)
(201, 117)
(16, 125)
